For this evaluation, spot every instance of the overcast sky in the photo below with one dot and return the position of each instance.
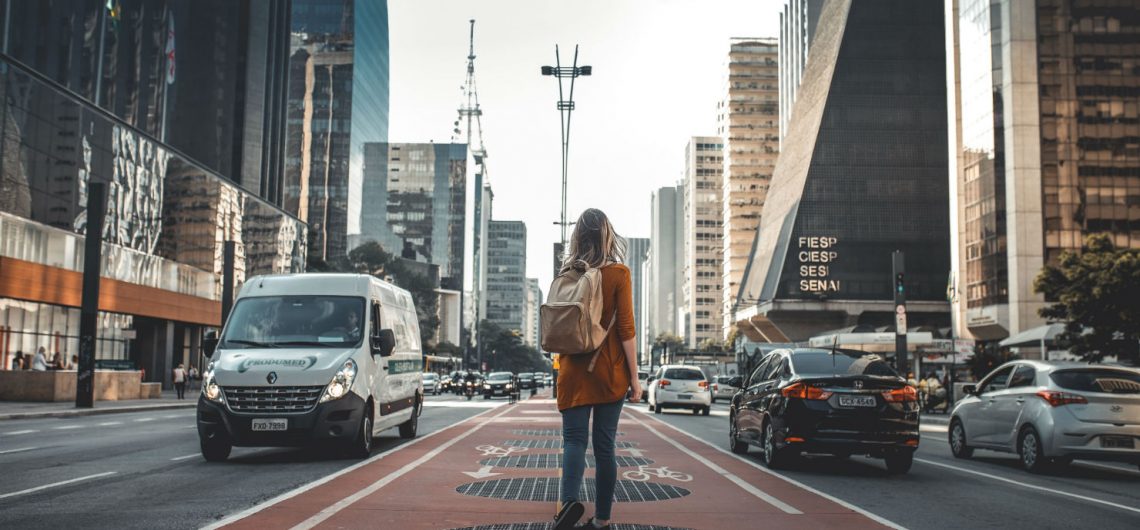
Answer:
(658, 74)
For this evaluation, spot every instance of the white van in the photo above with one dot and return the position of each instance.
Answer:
(306, 358)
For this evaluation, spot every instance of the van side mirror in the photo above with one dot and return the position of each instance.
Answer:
(209, 343)
(970, 390)
(384, 343)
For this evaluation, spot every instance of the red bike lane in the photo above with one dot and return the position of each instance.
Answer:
(502, 468)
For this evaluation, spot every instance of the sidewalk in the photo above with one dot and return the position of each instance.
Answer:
(501, 468)
(19, 410)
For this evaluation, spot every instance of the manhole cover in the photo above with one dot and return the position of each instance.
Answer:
(547, 526)
(545, 489)
(555, 461)
(544, 432)
(555, 444)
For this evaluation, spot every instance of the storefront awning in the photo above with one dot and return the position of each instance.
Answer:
(1035, 336)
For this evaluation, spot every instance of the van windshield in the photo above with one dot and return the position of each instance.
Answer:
(296, 322)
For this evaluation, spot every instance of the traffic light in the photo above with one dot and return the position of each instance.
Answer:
(899, 287)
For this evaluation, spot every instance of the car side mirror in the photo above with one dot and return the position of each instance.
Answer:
(970, 390)
(734, 381)
(384, 343)
(209, 343)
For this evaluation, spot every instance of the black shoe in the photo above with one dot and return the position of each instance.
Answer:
(568, 516)
(589, 524)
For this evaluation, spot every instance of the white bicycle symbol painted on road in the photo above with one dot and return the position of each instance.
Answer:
(494, 450)
(644, 473)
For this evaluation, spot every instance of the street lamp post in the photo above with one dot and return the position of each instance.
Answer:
(565, 108)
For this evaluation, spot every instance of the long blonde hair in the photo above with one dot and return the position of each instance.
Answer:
(594, 243)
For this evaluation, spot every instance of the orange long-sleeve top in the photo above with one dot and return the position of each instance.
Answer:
(610, 379)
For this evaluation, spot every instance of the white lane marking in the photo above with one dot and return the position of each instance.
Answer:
(177, 458)
(140, 420)
(293, 493)
(538, 411)
(324, 514)
(67, 427)
(783, 506)
(464, 404)
(878, 519)
(54, 484)
(10, 451)
(14, 433)
(1030, 486)
(109, 423)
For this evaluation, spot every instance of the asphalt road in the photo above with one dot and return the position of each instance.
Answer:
(143, 470)
(940, 491)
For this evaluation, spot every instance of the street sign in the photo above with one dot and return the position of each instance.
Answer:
(900, 323)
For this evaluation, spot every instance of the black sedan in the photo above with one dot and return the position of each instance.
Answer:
(498, 384)
(840, 402)
(526, 380)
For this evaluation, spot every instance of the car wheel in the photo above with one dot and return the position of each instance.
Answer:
(1030, 450)
(773, 458)
(714, 401)
(657, 409)
(361, 446)
(899, 463)
(216, 449)
(696, 411)
(485, 396)
(734, 444)
(705, 411)
(408, 428)
(958, 444)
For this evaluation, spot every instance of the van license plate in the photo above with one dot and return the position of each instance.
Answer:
(857, 401)
(1117, 442)
(270, 424)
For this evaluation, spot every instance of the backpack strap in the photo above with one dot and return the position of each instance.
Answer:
(594, 357)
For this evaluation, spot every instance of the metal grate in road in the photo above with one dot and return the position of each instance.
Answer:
(545, 489)
(551, 461)
(555, 444)
(548, 526)
(544, 432)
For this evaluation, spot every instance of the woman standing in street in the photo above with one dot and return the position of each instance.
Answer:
(600, 392)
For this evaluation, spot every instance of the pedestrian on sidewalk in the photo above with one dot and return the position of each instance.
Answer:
(192, 376)
(600, 392)
(39, 362)
(179, 376)
(18, 362)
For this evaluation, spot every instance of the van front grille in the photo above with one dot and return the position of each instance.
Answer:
(272, 399)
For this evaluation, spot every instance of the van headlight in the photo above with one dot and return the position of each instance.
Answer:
(210, 388)
(341, 382)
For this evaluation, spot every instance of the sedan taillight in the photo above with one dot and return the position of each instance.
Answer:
(802, 391)
(703, 384)
(1057, 399)
(901, 395)
(663, 383)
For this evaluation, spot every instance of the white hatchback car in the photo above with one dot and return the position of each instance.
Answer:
(679, 386)
(1050, 413)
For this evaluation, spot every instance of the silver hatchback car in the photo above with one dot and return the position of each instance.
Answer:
(1050, 413)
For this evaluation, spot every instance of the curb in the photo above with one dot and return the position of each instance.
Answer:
(94, 411)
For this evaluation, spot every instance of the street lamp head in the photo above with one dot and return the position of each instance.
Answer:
(547, 70)
(586, 70)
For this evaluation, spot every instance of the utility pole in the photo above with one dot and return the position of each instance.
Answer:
(89, 304)
(898, 264)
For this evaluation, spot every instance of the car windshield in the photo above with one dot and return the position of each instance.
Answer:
(841, 362)
(1098, 380)
(684, 374)
(295, 322)
(431, 376)
(526, 376)
(499, 376)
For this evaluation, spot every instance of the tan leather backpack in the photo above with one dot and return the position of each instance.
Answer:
(571, 317)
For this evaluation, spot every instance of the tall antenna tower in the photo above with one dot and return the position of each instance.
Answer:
(470, 112)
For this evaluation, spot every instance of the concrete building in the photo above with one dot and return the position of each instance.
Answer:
(636, 254)
(862, 176)
(703, 239)
(1043, 115)
(666, 256)
(797, 29)
(416, 196)
(506, 275)
(644, 329)
(532, 332)
(748, 122)
(337, 102)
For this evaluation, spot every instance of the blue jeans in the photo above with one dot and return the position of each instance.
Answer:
(575, 429)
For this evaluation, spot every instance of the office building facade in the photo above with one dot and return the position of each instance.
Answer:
(636, 253)
(861, 177)
(416, 196)
(748, 123)
(506, 275)
(533, 322)
(1043, 100)
(666, 255)
(798, 21)
(337, 103)
(703, 239)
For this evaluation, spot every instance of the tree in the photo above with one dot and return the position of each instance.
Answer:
(504, 351)
(711, 346)
(371, 258)
(1096, 294)
(667, 343)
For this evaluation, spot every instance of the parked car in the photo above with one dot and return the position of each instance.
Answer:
(679, 386)
(722, 389)
(431, 384)
(839, 402)
(1050, 413)
(498, 384)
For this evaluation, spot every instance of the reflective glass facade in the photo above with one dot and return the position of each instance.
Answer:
(506, 274)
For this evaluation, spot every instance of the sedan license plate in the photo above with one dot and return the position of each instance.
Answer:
(857, 401)
(684, 396)
(270, 424)
(1117, 442)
